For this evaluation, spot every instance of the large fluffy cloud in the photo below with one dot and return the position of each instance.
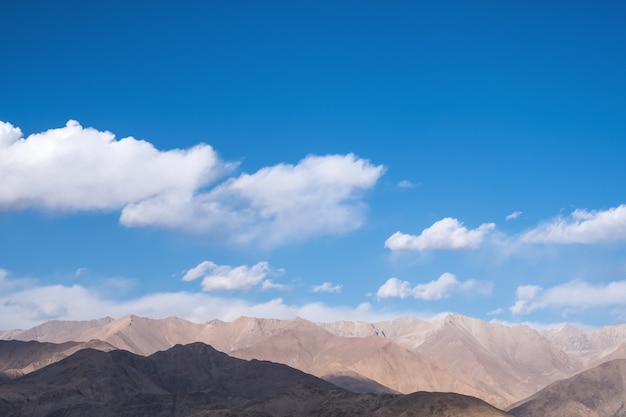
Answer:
(74, 168)
(447, 233)
(319, 195)
(574, 295)
(442, 287)
(582, 226)
(227, 278)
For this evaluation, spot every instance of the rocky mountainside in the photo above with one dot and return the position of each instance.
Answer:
(56, 331)
(598, 392)
(518, 360)
(313, 350)
(19, 358)
(197, 380)
(499, 364)
(590, 347)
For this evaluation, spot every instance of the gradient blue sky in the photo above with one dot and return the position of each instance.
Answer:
(332, 160)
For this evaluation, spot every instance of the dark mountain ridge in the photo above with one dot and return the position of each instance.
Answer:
(196, 380)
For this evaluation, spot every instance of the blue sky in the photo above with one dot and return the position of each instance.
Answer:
(354, 161)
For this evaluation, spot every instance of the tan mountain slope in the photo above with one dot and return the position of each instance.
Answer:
(139, 335)
(145, 336)
(59, 331)
(10, 334)
(590, 347)
(598, 392)
(518, 360)
(247, 331)
(18, 358)
(515, 361)
(619, 353)
(310, 348)
(408, 332)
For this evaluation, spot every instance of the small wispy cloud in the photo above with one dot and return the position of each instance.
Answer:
(327, 287)
(406, 184)
(496, 312)
(271, 285)
(514, 215)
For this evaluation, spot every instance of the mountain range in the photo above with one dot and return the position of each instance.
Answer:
(502, 365)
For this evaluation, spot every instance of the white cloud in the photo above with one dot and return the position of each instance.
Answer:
(582, 226)
(514, 215)
(76, 169)
(447, 233)
(442, 287)
(8, 284)
(271, 285)
(321, 195)
(525, 295)
(572, 296)
(199, 270)
(405, 184)
(477, 287)
(327, 287)
(393, 287)
(319, 312)
(496, 312)
(227, 278)
(9, 134)
(437, 289)
(540, 326)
